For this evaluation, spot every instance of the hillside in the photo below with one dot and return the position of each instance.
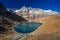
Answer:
(50, 30)
(7, 21)
(30, 13)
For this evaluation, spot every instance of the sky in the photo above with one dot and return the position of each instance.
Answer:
(43, 4)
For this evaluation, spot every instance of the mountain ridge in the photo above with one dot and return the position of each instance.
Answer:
(31, 10)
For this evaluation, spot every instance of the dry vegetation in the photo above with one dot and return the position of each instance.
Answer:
(50, 30)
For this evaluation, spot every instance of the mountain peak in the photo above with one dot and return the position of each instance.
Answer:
(31, 10)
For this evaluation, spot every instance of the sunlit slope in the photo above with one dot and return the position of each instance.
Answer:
(51, 25)
(50, 30)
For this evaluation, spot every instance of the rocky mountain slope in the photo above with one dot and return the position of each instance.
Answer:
(7, 21)
(30, 10)
(30, 13)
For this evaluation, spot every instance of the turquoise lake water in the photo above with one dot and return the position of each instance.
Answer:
(27, 27)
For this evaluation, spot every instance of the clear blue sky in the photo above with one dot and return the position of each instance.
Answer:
(43, 4)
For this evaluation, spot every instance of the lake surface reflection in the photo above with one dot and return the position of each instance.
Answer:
(27, 27)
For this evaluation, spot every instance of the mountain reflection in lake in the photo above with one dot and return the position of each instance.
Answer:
(27, 27)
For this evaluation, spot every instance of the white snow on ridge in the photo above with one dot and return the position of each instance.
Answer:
(17, 10)
(35, 11)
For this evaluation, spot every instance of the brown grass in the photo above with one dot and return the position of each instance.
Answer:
(50, 30)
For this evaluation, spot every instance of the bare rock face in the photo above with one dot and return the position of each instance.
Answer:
(3, 30)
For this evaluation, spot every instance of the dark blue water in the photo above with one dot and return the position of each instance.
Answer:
(27, 27)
